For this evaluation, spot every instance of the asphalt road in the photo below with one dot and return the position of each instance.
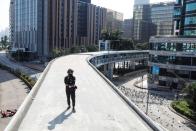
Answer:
(98, 107)
(32, 73)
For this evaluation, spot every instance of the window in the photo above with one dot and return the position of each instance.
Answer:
(190, 6)
(178, 1)
(190, 20)
(177, 12)
(190, 32)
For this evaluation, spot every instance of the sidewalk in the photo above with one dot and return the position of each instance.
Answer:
(12, 93)
(159, 112)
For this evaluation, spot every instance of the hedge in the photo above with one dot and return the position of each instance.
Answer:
(184, 108)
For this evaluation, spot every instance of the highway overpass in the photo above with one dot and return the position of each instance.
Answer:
(99, 105)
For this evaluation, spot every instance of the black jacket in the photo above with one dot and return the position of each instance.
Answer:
(70, 80)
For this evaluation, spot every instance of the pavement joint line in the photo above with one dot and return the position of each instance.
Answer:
(147, 119)
(23, 109)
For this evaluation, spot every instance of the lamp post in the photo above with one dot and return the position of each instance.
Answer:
(147, 103)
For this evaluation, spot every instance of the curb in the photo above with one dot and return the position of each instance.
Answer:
(147, 119)
(18, 117)
(186, 118)
(150, 89)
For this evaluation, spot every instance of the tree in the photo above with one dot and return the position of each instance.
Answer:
(142, 46)
(107, 35)
(92, 48)
(4, 41)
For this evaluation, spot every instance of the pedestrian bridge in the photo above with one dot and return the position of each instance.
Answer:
(100, 106)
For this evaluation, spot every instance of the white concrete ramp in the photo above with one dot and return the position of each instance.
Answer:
(98, 107)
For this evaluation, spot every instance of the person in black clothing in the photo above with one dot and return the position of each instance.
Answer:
(70, 88)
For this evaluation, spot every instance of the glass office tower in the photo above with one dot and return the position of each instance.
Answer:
(172, 61)
(162, 17)
(185, 17)
(27, 25)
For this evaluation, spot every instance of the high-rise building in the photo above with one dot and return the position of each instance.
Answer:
(91, 20)
(26, 25)
(185, 18)
(86, 1)
(40, 26)
(162, 17)
(127, 28)
(172, 61)
(141, 23)
(114, 20)
(152, 19)
(11, 19)
(60, 25)
(141, 2)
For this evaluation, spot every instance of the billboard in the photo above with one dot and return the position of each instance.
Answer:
(155, 70)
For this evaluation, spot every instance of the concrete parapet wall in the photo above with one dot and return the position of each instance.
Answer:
(18, 117)
(148, 120)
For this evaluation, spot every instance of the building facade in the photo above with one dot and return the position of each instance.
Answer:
(26, 25)
(185, 18)
(60, 25)
(172, 58)
(141, 2)
(172, 61)
(12, 21)
(162, 18)
(42, 26)
(91, 21)
(127, 29)
(141, 23)
(114, 20)
(152, 19)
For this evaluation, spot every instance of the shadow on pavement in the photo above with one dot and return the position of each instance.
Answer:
(124, 79)
(191, 125)
(59, 119)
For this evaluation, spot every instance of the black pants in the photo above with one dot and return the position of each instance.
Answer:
(70, 93)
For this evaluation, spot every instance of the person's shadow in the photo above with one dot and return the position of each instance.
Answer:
(58, 120)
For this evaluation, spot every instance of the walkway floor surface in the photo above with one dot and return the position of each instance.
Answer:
(98, 107)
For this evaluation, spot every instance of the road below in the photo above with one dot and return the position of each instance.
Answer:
(12, 93)
(32, 73)
(159, 103)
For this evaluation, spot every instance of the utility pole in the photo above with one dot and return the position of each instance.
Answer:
(147, 103)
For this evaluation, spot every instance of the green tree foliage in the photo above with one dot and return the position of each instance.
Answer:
(4, 41)
(92, 48)
(142, 46)
(191, 94)
(123, 44)
(76, 49)
(107, 35)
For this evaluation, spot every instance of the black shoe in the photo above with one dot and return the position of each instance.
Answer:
(68, 107)
(73, 110)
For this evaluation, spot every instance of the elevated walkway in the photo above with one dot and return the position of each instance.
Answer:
(98, 106)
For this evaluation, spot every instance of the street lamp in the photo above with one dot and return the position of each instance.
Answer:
(147, 103)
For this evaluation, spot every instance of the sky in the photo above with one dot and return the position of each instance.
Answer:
(123, 6)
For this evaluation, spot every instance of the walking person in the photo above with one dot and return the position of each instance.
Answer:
(69, 81)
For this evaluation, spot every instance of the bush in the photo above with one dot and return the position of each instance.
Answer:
(183, 107)
(92, 48)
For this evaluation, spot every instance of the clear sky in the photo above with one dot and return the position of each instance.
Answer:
(124, 6)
